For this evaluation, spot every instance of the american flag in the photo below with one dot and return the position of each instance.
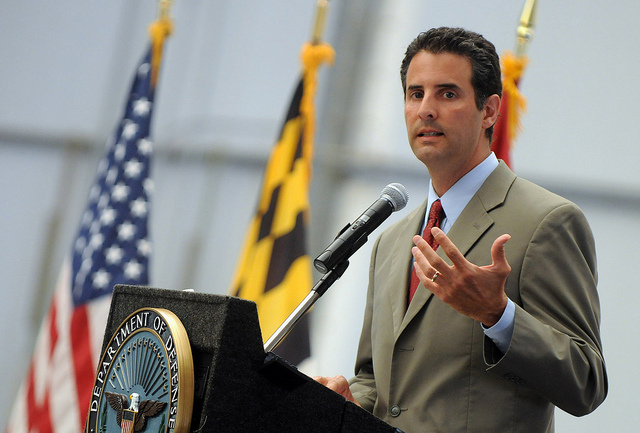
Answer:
(112, 247)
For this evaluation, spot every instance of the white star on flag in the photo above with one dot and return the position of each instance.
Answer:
(130, 130)
(112, 175)
(139, 207)
(126, 231)
(141, 107)
(96, 240)
(108, 216)
(133, 168)
(144, 247)
(119, 153)
(132, 269)
(114, 255)
(101, 279)
(144, 146)
(120, 192)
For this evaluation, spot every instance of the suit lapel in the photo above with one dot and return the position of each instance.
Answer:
(470, 225)
(476, 219)
(400, 262)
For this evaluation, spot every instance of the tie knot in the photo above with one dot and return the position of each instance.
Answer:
(436, 213)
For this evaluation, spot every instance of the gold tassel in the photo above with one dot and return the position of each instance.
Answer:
(158, 31)
(512, 69)
(313, 56)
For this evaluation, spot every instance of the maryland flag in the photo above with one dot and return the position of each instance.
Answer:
(275, 269)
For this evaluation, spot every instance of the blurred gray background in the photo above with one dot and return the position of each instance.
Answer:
(228, 74)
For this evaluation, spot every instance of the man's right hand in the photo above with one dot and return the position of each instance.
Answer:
(338, 384)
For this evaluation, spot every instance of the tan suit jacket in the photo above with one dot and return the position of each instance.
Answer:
(431, 369)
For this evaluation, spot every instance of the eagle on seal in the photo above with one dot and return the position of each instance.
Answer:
(136, 413)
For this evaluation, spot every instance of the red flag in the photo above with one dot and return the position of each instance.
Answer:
(513, 104)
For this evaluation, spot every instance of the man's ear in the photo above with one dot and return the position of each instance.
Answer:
(491, 111)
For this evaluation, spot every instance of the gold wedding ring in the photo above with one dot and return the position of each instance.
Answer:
(433, 279)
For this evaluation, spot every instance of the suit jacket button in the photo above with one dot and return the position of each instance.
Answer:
(395, 411)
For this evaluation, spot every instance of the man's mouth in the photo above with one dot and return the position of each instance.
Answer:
(430, 134)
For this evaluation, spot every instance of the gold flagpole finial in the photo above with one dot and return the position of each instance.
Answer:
(158, 31)
(525, 29)
(164, 8)
(322, 8)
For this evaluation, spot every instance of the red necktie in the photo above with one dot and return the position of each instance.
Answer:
(436, 215)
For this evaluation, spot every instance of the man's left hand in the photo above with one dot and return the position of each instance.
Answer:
(475, 291)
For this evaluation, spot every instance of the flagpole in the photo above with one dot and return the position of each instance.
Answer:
(158, 31)
(164, 9)
(322, 10)
(525, 29)
(513, 102)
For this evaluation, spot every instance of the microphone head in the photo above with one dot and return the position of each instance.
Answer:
(396, 194)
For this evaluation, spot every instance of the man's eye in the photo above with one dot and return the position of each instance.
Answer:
(449, 95)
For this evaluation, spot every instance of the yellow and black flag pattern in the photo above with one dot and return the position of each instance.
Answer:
(275, 269)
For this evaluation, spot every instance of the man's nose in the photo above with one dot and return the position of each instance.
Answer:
(427, 108)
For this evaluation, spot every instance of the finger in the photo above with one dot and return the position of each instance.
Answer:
(498, 256)
(321, 379)
(418, 266)
(422, 266)
(431, 262)
(424, 270)
(420, 242)
(338, 384)
(429, 277)
(424, 256)
(429, 283)
(420, 249)
(419, 260)
(449, 248)
(426, 250)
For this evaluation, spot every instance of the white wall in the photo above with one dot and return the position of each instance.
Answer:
(228, 73)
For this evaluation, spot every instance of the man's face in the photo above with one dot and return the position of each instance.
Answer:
(446, 130)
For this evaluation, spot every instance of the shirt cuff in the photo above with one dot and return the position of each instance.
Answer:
(502, 331)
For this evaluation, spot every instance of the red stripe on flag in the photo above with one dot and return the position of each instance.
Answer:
(53, 328)
(38, 415)
(82, 360)
(501, 145)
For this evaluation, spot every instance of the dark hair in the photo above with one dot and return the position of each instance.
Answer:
(485, 63)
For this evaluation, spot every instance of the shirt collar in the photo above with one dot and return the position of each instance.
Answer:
(456, 198)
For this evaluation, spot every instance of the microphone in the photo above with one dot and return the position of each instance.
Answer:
(392, 198)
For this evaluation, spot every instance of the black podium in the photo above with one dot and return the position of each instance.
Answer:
(238, 387)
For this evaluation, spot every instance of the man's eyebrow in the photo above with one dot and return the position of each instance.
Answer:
(448, 86)
(453, 86)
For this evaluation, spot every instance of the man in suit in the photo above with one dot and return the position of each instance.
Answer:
(504, 322)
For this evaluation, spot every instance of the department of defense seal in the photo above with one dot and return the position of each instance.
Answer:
(144, 381)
